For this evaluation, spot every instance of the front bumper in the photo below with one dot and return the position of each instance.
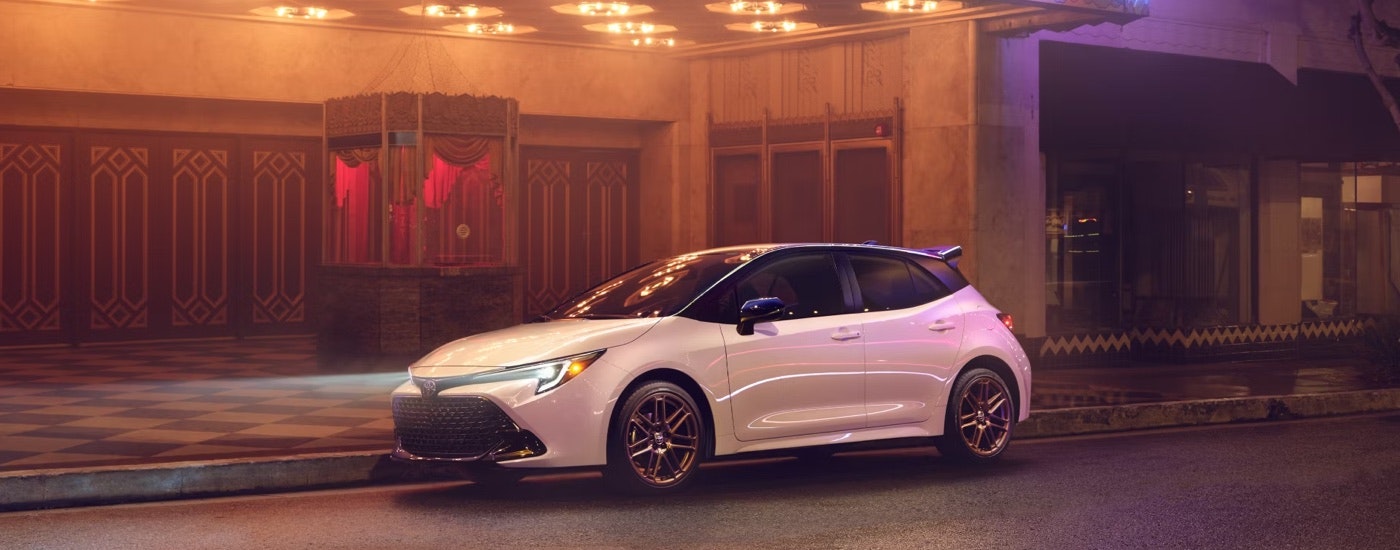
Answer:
(458, 429)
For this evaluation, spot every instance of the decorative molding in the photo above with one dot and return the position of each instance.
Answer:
(806, 76)
(1205, 338)
(1171, 36)
(872, 73)
(730, 134)
(280, 180)
(119, 186)
(465, 114)
(401, 112)
(32, 269)
(353, 116)
(797, 130)
(1340, 55)
(199, 265)
(1221, 42)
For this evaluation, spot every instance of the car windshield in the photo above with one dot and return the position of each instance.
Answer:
(655, 289)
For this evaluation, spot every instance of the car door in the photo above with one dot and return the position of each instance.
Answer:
(913, 329)
(801, 374)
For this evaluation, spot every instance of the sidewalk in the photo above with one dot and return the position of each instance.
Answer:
(264, 414)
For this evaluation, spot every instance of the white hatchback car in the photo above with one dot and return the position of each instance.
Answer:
(726, 351)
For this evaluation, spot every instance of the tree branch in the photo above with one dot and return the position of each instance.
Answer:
(1385, 35)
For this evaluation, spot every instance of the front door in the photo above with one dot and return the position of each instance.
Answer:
(802, 374)
(580, 222)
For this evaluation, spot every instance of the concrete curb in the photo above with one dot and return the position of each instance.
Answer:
(54, 488)
(1089, 420)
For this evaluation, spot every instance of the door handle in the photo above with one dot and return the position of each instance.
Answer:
(844, 334)
(942, 326)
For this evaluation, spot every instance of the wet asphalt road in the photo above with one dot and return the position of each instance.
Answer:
(1331, 483)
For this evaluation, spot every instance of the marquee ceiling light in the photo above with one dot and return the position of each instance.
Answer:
(302, 12)
(458, 11)
(755, 8)
(771, 26)
(602, 9)
(901, 6)
(606, 9)
(497, 28)
(653, 42)
(629, 27)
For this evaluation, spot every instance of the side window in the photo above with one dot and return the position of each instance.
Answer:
(888, 283)
(807, 284)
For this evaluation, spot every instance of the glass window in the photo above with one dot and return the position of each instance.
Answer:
(463, 202)
(655, 289)
(807, 284)
(1156, 242)
(353, 219)
(888, 283)
(1327, 236)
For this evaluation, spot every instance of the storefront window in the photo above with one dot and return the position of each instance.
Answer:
(1155, 243)
(1349, 236)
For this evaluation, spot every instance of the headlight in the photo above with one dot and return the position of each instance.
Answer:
(555, 372)
(547, 374)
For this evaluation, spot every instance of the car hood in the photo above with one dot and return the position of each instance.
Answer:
(529, 343)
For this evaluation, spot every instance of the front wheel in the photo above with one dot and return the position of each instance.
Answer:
(658, 440)
(980, 416)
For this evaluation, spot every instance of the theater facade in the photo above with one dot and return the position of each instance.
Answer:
(1185, 179)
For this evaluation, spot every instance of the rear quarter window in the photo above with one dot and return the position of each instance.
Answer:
(945, 274)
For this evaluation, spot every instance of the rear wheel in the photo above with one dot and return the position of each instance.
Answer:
(981, 414)
(658, 440)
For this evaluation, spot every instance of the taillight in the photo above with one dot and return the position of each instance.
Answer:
(1005, 319)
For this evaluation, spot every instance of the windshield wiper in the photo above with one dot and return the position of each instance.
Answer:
(601, 316)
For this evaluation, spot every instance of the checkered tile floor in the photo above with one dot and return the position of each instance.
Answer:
(145, 403)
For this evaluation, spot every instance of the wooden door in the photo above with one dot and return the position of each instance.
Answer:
(580, 220)
(35, 267)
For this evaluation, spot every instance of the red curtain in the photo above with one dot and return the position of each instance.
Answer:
(464, 199)
(353, 183)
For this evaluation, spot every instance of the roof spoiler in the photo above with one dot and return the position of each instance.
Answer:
(948, 253)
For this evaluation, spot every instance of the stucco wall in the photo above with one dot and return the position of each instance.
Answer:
(76, 48)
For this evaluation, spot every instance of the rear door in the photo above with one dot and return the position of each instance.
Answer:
(913, 329)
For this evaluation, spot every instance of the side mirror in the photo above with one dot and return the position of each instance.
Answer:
(758, 310)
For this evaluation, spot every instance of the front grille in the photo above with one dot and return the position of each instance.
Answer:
(450, 427)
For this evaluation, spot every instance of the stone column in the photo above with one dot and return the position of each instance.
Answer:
(972, 169)
(1279, 277)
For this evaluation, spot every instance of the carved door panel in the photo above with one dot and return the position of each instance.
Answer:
(35, 184)
(153, 239)
(117, 216)
(279, 234)
(579, 223)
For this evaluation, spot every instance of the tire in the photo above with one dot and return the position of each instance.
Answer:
(980, 417)
(657, 442)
